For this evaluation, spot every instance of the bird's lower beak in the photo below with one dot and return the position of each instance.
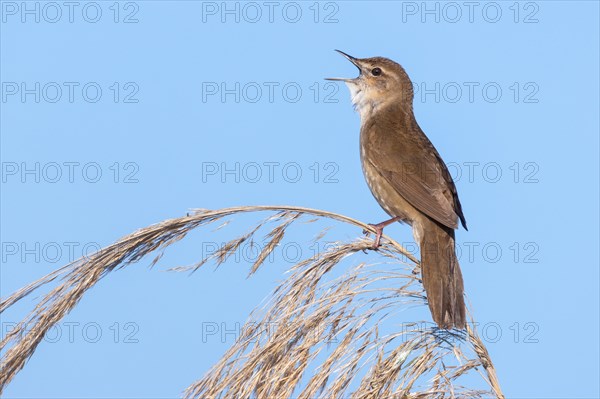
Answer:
(341, 79)
(352, 60)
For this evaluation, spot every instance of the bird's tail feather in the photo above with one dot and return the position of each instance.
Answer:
(441, 275)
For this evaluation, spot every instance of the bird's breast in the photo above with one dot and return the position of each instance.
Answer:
(392, 202)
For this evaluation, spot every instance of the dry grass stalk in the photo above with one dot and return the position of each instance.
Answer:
(313, 324)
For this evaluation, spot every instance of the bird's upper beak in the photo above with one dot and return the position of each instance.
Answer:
(353, 60)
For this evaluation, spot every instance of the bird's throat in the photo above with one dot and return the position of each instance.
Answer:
(363, 104)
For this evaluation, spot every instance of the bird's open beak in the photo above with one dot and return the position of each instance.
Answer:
(352, 60)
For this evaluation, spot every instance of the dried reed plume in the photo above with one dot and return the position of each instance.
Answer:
(318, 336)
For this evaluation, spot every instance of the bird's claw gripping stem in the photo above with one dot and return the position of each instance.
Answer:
(379, 231)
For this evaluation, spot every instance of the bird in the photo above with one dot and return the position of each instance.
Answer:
(410, 181)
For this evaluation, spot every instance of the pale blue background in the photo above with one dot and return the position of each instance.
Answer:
(170, 132)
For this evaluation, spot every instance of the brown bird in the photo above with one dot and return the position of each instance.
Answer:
(409, 179)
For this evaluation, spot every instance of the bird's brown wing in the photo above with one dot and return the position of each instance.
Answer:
(413, 167)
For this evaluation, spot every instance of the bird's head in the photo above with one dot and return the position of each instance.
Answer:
(380, 82)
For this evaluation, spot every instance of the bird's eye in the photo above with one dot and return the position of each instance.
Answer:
(376, 71)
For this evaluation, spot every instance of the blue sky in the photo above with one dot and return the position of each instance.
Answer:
(119, 115)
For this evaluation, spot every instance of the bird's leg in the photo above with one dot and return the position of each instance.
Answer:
(379, 230)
